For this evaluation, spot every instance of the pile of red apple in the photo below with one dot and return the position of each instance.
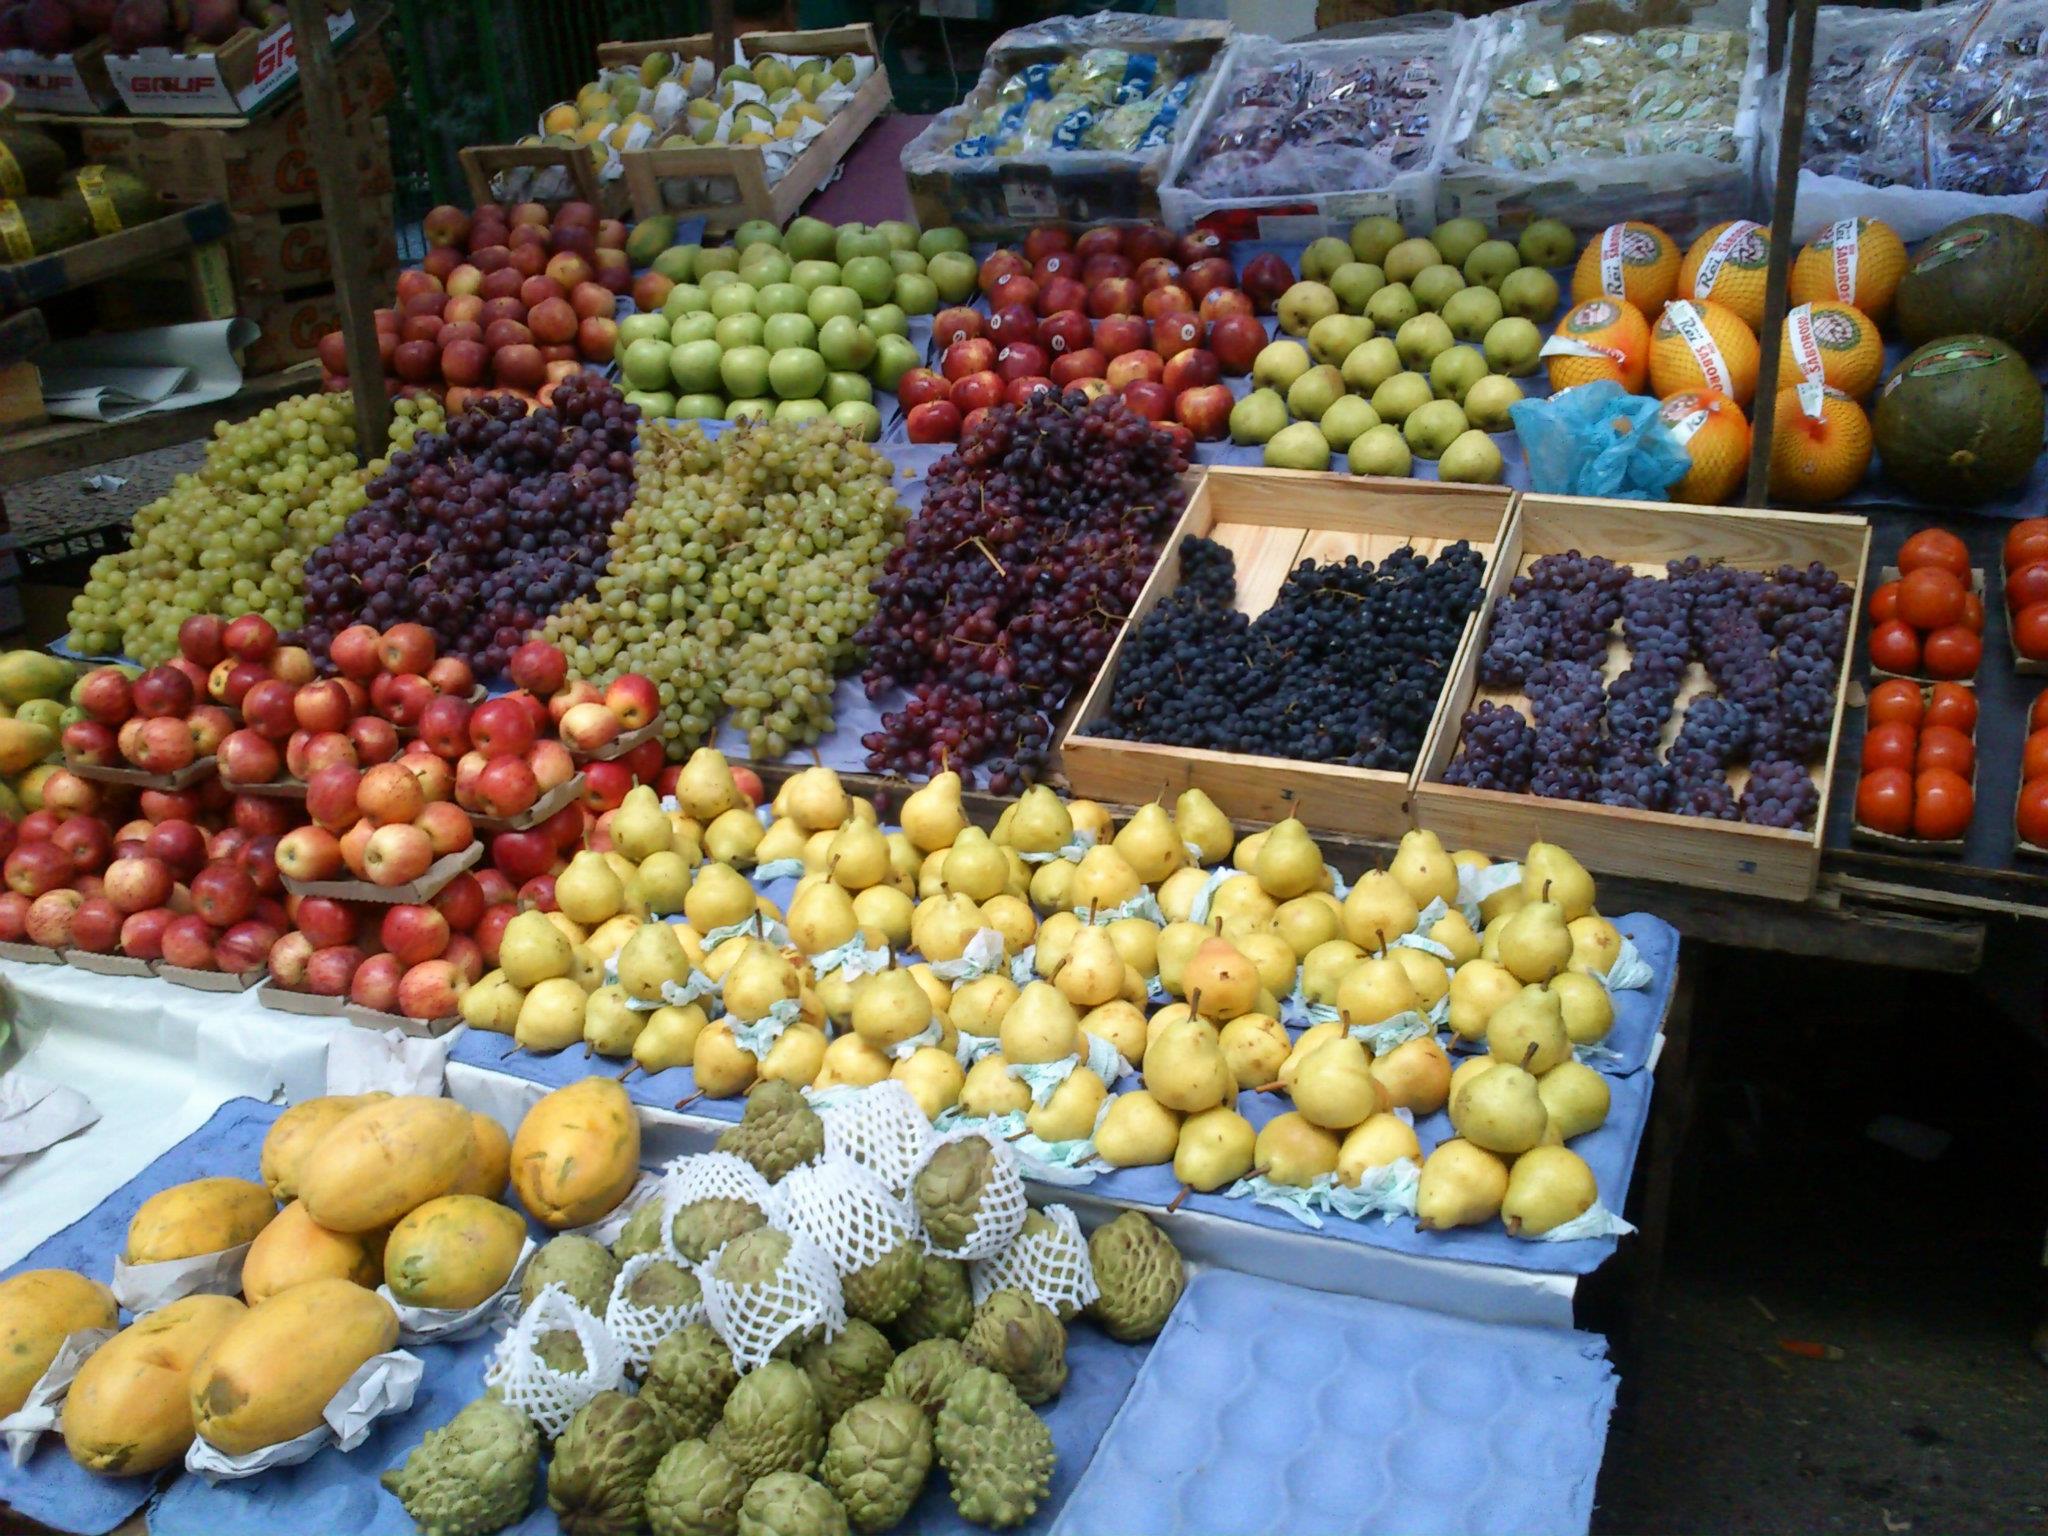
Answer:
(413, 959)
(1133, 309)
(506, 298)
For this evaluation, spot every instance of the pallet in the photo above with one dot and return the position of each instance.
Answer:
(94, 261)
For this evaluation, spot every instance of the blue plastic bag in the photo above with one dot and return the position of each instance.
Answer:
(1598, 440)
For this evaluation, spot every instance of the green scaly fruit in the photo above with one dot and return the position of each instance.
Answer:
(788, 1504)
(848, 1368)
(778, 1132)
(601, 1465)
(472, 1475)
(876, 1460)
(702, 1227)
(1140, 1275)
(688, 1380)
(581, 1267)
(879, 1292)
(772, 1423)
(1017, 1334)
(924, 1373)
(694, 1492)
(948, 1191)
(997, 1453)
(942, 1307)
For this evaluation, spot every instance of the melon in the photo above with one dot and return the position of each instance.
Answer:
(1959, 421)
(1986, 275)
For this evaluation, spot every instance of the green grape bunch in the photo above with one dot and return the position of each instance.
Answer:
(233, 538)
(739, 579)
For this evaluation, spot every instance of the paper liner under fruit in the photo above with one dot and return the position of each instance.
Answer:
(445, 1325)
(1597, 1221)
(803, 1295)
(42, 1410)
(36, 1114)
(1475, 885)
(1387, 1191)
(880, 1127)
(387, 1061)
(382, 1384)
(143, 1288)
(547, 1396)
(1050, 1263)
(639, 1329)
(983, 956)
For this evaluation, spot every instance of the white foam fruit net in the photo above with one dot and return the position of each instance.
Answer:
(844, 1208)
(883, 1128)
(753, 1319)
(708, 1176)
(547, 1396)
(999, 1214)
(639, 1329)
(1051, 1264)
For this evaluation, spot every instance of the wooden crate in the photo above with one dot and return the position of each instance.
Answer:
(94, 261)
(1728, 856)
(293, 323)
(1272, 519)
(199, 284)
(743, 167)
(577, 181)
(280, 251)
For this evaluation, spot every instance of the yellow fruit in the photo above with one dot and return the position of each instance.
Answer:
(1815, 460)
(129, 1410)
(1632, 261)
(23, 744)
(1728, 265)
(1852, 261)
(490, 1160)
(203, 1216)
(1612, 341)
(295, 1248)
(560, 118)
(1834, 343)
(384, 1160)
(1703, 346)
(454, 1252)
(39, 1309)
(26, 675)
(577, 1153)
(269, 1375)
(1713, 431)
(297, 1131)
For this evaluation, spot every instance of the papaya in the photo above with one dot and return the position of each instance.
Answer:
(454, 1252)
(26, 675)
(490, 1161)
(23, 744)
(129, 1410)
(577, 1153)
(39, 1309)
(385, 1159)
(270, 1373)
(203, 1216)
(295, 1248)
(297, 1131)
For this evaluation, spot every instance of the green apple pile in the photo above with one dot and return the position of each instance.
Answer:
(793, 324)
(1399, 348)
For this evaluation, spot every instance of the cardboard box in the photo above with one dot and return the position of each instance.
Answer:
(293, 323)
(30, 954)
(283, 251)
(108, 965)
(184, 778)
(211, 981)
(284, 1000)
(239, 77)
(426, 888)
(418, 1029)
(73, 83)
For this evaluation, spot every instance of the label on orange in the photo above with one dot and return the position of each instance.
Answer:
(1724, 250)
(1571, 346)
(1811, 395)
(1691, 326)
(14, 233)
(1613, 273)
(1799, 335)
(106, 218)
(1845, 240)
(1687, 426)
(12, 182)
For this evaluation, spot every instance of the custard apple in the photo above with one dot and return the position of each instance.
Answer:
(1055, 1246)
(778, 1132)
(694, 1492)
(788, 1504)
(949, 1190)
(663, 1284)
(580, 1266)
(689, 1379)
(472, 1475)
(751, 1262)
(876, 1460)
(641, 1233)
(772, 1423)
(601, 1465)
(924, 1373)
(702, 1227)
(847, 1368)
(942, 1307)
(561, 1351)
(1140, 1275)
(1017, 1334)
(881, 1290)
(997, 1453)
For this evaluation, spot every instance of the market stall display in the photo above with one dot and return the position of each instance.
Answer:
(1918, 771)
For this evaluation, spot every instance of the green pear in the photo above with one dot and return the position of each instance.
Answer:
(651, 957)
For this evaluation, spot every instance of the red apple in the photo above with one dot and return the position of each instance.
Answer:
(522, 855)
(978, 391)
(551, 764)
(1071, 367)
(375, 983)
(1197, 245)
(1236, 341)
(957, 324)
(506, 788)
(1063, 292)
(321, 707)
(309, 854)
(162, 691)
(1054, 264)
(406, 648)
(1131, 366)
(433, 774)
(605, 785)
(447, 826)
(208, 726)
(452, 675)
(96, 926)
(330, 971)
(1218, 302)
(165, 746)
(389, 794)
(89, 744)
(1156, 272)
(1178, 332)
(250, 638)
(50, 917)
(1014, 290)
(1203, 277)
(245, 947)
(1148, 398)
(272, 708)
(921, 386)
(413, 933)
(179, 844)
(105, 695)
(633, 698)
(565, 828)
(933, 421)
(287, 960)
(201, 640)
(328, 749)
(1147, 242)
(1043, 239)
(1106, 267)
(1191, 369)
(490, 928)
(1265, 278)
(1103, 240)
(444, 726)
(998, 265)
(1021, 392)
(407, 698)
(375, 740)
(223, 894)
(135, 884)
(86, 842)
(500, 726)
(1205, 411)
(461, 902)
(325, 921)
(588, 727)
(1022, 359)
(1117, 334)
(396, 855)
(430, 990)
(466, 956)
(1066, 330)
(538, 667)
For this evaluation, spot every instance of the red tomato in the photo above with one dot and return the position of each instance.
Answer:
(1889, 746)
(2038, 715)
(1931, 598)
(1953, 652)
(2030, 631)
(1936, 546)
(1896, 700)
(1884, 603)
(2026, 585)
(1895, 647)
(2034, 757)
(2033, 814)
(1884, 801)
(1973, 613)
(1942, 805)
(1954, 705)
(1943, 746)
(2025, 541)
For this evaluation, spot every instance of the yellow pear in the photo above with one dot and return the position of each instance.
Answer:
(1478, 987)
(532, 950)
(933, 1077)
(651, 957)
(1150, 844)
(551, 1017)
(1472, 859)
(858, 856)
(784, 840)
(1588, 1010)
(904, 862)
(1292, 1149)
(884, 915)
(979, 1005)
(1017, 880)
(1528, 1029)
(1216, 1148)
(1500, 1110)
(733, 838)
(1547, 1188)
(722, 959)
(1576, 1098)
(719, 897)
(664, 882)
(1068, 1114)
(758, 980)
(572, 930)
(941, 926)
(621, 866)
(1324, 968)
(1136, 989)
(1378, 911)
(1312, 1039)
(721, 1066)
(1376, 990)
(1137, 940)
(974, 867)
(851, 1062)
(1184, 1068)
(610, 1024)
(1305, 922)
(1041, 823)
(795, 1057)
(1534, 942)
(821, 918)
(1415, 1076)
(610, 936)
(1455, 934)
(1056, 936)
(1202, 824)
(1272, 957)
(889, 1007)
(1424, 869)
(1430, 977)
(814, 799)
(835, 995)
(1465, 1072)
(1119, 1022)
(705, 788)
(1289, 862)
(640, 826)
(1093, 972)
(1334, 1087)
(1255, 1046)
(1549, 873)
(1245, 856)
(1373, 1143)
(589, 891)
(1013, 918)
(1040, 1026)
(585, 969)
(1090, 818)
(669, 1038)
(1241, 899)
(1164, 1019)
(1176, 946)
(1103, 880)
(932, 816)
(1462, 1185)
(1502, 904)
(1051, 887)
(1177, 892)
(930, 875)
(1596, 944)
(990, 1090)
(492, 1004)
(1138, 1131)
(1220, 982)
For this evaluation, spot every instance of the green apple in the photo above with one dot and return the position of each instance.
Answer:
(774, 267)
(1454, 372)
(933, 241)
(1399, 396)
(694, 367)
(1419, 340)
(1372, 238)
(749, 410)
(953, 274)
(643, 328)
(1472, 458)
(796, 373)
(1323, 257)
(1432, 428)
(1346, 420)
(1455, 239)
(733, 299)
(807, 239)
(744, 372)
(1410, 257)
(871, 277)
(788, 330)
(1301, 446)
(780, 299)
(1392, 307)
(1257, 417)
(1490, 262)
(1547, 243)
(858, 240)
(1488, 402)
(813, 275)
(716, 258)
(899, 235)
(1472, 312)
(678, 263)
(830, 300)
(859, 418)
(685, 299)
(916, 293)
(763, 231)
(841, 387)
(1513, 346)
(906, 261)
(1371, 364)
(716, 279)
(743, 330)
(846, 344)
(699, 407)
(655, 404)
(886, 320)
(1434, 287)
(799, 410)
(1355, 283)
(1314, 393)
(701, 325)
(894, 357)
(1279, 364)
(1529, 293)
(752, 251)
(645, 365)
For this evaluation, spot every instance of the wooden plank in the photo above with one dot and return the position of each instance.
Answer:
(94, 261)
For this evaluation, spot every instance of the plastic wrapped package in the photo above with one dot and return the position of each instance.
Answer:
(644, 111)
(1073, 118)
(1306, 138)
(1598, 112)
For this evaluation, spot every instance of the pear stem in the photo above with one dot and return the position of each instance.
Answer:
(693, 1098)
(1530, 1054)
(1174, 1204)
(1276, 1086)
(631, 1068)
(1195, 1003)
(508, 1055)
(1546, 890)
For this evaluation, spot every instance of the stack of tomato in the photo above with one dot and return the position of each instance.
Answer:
(2026, 587)
(1928, 623)
(1919, 761)
(2033, 810)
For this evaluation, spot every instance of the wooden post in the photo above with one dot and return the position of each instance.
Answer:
(1798, 70)
(721, 35)
(334, 163)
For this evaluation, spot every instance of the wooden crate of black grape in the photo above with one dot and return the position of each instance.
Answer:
(1672, 717)
(1271, 520)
